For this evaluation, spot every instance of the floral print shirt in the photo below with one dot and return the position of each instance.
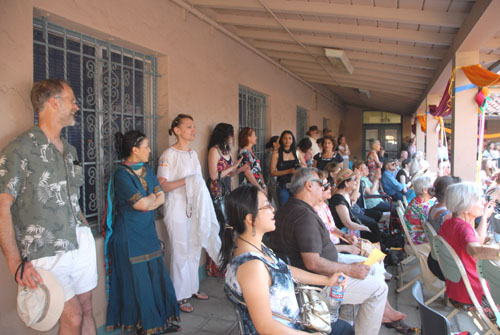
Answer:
(255, 168)
(45, 184)
(326, 216)
(416, 214)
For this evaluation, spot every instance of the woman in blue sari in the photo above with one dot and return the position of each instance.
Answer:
(141, 295)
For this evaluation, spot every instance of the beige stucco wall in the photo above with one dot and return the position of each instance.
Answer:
(200, 70)
(352, 128)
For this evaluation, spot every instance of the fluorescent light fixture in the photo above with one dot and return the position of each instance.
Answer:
(339, 60)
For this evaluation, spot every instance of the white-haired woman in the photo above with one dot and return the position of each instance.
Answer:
(417, 211)
(465, 200)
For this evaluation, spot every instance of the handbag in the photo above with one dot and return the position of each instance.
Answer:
(366, 247)
(218, 201)
(314, 308)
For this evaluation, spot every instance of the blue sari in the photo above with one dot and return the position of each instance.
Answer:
(141, 294)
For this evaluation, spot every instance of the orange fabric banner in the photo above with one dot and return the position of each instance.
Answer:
(480, 76)
(422, 119)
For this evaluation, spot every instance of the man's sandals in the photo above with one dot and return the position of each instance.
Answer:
(401, 327)
(185, 305)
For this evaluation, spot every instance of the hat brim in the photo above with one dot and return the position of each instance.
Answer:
(55, 304)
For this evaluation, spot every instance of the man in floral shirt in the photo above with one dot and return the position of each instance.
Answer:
(41, 224)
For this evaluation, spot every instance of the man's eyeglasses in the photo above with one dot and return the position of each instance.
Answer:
(319, 181)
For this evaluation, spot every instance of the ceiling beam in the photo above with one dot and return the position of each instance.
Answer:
(352, 55)
(408, 92)
(396, 49)
(369, 61)
(408, 35)
(358, 73)
(488, 58)
(480, 25)
(392, 69)
(401, 15)
(390, 59)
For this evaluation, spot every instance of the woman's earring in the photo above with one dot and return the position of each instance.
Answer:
(253, 229)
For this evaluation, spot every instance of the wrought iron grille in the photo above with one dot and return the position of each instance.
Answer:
(301, 124)
(252, 110)
(115, 89)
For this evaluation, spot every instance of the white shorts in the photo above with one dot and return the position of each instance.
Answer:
(76, 270)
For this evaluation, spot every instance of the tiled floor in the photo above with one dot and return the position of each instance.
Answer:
(216, 316)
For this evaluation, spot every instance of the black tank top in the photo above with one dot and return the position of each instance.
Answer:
(285, 165)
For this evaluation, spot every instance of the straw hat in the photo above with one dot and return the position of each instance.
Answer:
(344, 174)
(42, 307)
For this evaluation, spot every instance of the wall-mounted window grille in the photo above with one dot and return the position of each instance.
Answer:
(301, 124)
(115, 89)
(252, 112)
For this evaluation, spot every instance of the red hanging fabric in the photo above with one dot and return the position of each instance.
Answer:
(444, 107)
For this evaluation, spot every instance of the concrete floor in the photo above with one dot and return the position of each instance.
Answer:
(216, 316)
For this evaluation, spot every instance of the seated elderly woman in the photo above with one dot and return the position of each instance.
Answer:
(258, 282)
(466, 203)
(438, 214)
(417, 211)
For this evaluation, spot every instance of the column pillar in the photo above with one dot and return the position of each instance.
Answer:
(432, 136)
(420, 135)
(465, 119)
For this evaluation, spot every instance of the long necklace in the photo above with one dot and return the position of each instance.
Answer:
(253, 245)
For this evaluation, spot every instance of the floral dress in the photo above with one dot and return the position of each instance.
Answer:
(281, 292)
(326, 216)
(416, 214)
(255, 168)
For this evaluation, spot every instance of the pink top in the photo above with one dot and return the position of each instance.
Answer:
(458, 234)
(326, 216)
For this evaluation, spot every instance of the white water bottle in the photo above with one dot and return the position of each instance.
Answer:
(336, 296)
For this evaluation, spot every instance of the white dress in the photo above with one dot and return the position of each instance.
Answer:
(345, 157)
(184, 255)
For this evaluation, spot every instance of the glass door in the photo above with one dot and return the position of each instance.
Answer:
(389, 136)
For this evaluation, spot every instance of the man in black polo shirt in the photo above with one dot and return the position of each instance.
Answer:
(301, 235)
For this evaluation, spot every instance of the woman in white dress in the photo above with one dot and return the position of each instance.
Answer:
(343, 149)
(175, 164)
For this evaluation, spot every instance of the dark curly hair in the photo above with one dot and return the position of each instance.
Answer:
(125, 142)
(220, 136)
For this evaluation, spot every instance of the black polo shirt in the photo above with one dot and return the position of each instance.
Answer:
(299, 229)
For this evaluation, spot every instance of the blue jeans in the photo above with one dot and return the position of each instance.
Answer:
(283, 195)
(341, 327)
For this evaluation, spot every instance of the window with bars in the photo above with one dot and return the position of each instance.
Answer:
(115, 89)
(252, 112)
(301, 123)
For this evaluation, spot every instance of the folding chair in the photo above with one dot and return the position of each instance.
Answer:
(421, 252)
(489, 276)
(239, 319)
(411, 254)
(431, 235)
(432, 322)
(454, 271)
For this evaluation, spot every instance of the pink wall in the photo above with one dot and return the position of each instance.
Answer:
(200, 70)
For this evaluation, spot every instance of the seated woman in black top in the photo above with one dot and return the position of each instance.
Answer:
(328, 154)
(340, 205)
